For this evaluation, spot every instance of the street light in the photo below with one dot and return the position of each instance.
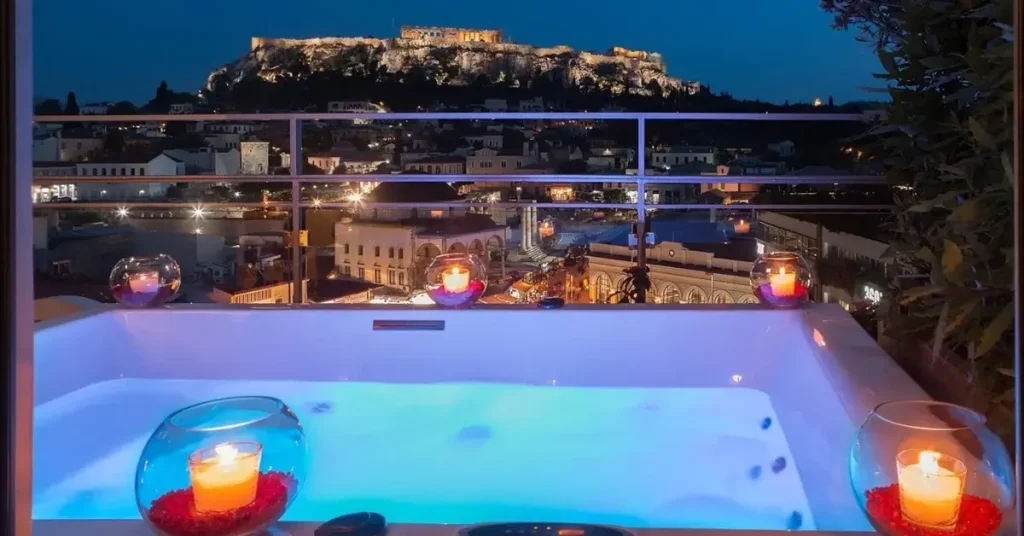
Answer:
(355, 197)
(316, 203)
(198, 212)
(122, 212)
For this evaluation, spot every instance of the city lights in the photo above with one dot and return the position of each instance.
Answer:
(354, 197)
(198, 213)
(317, 202)
(122, 212)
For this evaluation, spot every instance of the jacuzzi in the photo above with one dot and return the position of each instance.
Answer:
(645, 418)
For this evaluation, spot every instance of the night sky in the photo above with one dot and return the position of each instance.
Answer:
(121, 49)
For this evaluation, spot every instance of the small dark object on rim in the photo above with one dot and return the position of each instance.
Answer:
(551, 303)
(361, 524)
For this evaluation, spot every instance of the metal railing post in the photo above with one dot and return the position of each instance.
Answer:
(641, 207)
(295, 148)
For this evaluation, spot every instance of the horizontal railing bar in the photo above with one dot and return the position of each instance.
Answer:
(465, 116)
(827, 209)
(160, 204)
(542, 178)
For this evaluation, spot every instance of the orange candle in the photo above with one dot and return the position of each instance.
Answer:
(741, 227)
(783, 284)
(930, 495)
(145, 282)
(455, 280)
(224, 478)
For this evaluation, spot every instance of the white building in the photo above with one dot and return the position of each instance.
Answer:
(182, 108)
(64, 147)
(229, 128)
(396, 254)
(784, 149)
(54, 192)
(610, 158)
(489, 141)
(255, 157)
(127, 165)
(347, 162)
(678, 275)
(224, 140)
(96, 108)
(494, 162)
(438, 165)
(535, 104)
(496, 105)
(207, 160)
(357, 107)
(683, 154)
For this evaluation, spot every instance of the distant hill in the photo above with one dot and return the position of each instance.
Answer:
(450, 64)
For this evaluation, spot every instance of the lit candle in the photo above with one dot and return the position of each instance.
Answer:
(455, 280)
(224, 478)
(741, 227)
(144, 282)
(930, 494)
(783, 284)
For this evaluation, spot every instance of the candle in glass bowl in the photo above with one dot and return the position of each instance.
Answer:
(783, 284)
(224, 478)
(741, 227)
(455, 280)
(144, 282)
(930, 495)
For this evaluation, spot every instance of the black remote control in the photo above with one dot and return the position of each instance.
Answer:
(361, 524)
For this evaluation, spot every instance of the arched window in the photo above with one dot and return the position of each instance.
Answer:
(695, 296)
(671, 294)
(602, 288)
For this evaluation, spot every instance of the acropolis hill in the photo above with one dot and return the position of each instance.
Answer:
(453, 56)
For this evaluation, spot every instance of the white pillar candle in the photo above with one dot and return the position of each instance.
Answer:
(930, 494)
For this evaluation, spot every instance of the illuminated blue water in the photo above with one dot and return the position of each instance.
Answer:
(460, 453)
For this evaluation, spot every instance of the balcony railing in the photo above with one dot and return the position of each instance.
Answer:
(640, 180)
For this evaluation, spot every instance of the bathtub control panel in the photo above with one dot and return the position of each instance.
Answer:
(542, 529)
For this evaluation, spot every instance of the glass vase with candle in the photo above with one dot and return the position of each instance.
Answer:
(923, 468)
(228, 467)
(456, 279)
(781, 279)
(145, 281)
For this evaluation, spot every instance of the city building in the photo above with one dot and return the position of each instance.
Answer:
(695, 261)
(279, 292)
(610, 158)
(494, 162)
(683, 154)
(207, 160)
(854, 253)
(64, 145)
(357, 107)
(227, 128)
(223, 140)
(182, 108)
(496, 105)
(438, 165)
(255, 156)
(445, 33)
(347, 162)
(535, 104)
(127, 165)
(54, 192)
(784, 149)
(490, 141)
(96, 108)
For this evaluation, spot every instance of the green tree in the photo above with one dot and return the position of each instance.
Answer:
(48, 107)
(617, 196)
(122, 108)
(947, 140)
(71, 106)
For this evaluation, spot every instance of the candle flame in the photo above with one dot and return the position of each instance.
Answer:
(929, 461)
(782, 270)
(226, 454)
(455, 270)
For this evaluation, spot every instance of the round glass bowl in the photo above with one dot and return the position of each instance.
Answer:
(456, 279)
(781, 279)
(924, 468)
(145, 281)
(225, 467)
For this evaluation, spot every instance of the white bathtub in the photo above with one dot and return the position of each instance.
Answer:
(695, 401)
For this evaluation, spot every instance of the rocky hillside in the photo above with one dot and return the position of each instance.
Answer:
(448, 63)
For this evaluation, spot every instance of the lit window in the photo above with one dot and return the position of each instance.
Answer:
(401, 278)
(603, 288)
(376, 275)
(671, 294)
(362, 273)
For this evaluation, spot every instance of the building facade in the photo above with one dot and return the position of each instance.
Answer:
(255, 157)
(448, 34)
(678, 275)
(439, 165)
(683, 154)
